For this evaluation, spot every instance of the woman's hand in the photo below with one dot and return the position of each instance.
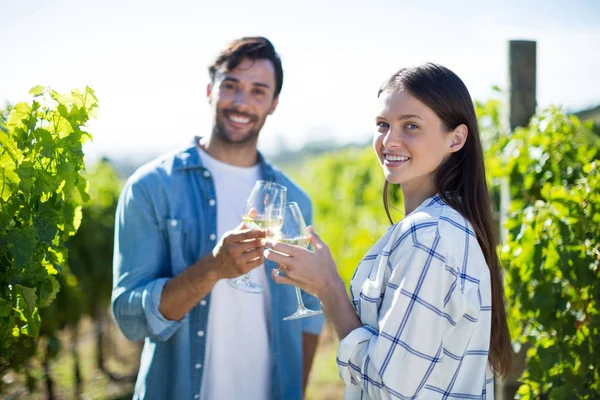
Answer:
(314, 272)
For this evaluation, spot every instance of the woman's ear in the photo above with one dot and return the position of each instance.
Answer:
(458, 138)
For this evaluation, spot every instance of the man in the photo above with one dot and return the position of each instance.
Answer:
(179, 237)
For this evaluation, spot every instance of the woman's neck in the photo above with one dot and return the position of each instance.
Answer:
(415, 195)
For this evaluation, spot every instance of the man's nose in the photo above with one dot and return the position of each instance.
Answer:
(240, 97)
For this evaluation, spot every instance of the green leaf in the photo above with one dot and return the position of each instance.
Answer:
(4, 308)
(36, 90)
(23, 242)
(9, 179)
(21, 111)
(28, 296)
(49, 290)
(46, 222)
(27, 306)
(27, 174)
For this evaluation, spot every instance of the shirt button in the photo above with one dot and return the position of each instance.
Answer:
(212, 202)
(206, 174)
(203, 303)
(173, 223)
(198, 366)
(196, 396)
(213, 236)
(200, 333)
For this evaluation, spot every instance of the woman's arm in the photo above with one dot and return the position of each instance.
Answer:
(396, 358)
(315, 272)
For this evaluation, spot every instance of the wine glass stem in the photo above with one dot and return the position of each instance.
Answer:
(300, 302)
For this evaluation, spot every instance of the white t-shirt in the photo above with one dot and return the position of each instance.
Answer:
(237, 364)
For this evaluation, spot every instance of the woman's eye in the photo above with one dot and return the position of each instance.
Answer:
(411, 126)
(383, 125)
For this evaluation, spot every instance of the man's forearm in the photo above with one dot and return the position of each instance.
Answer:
(182, 292)
(309, 347)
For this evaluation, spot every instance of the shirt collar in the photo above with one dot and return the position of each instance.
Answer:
(189, 158)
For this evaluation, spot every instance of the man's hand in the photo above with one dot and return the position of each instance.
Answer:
(239, 251)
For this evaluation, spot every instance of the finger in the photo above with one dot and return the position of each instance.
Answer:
(282, 270)
(246, 234)
(315, 239)
(277, 258)
(285, 248)
(281, 279)
(248, 256)
(239, 248)
(250, 265)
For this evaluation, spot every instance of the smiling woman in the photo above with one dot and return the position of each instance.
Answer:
(411, 142)
(426, 317)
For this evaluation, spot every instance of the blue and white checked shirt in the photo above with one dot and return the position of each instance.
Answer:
(423, 295)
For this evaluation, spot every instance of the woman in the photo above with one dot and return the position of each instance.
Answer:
(427, 317)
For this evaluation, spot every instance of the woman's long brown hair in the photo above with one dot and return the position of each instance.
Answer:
(461, 182)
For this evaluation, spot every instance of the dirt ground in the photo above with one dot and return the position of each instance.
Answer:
(122, 359)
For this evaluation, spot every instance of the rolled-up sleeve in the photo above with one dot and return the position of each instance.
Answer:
(397, 358)
(140, 267)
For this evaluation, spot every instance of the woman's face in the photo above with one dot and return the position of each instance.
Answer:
(411, 141)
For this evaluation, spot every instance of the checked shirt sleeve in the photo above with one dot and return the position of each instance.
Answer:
(417, 302)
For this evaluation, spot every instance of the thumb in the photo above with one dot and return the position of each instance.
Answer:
(315, 239)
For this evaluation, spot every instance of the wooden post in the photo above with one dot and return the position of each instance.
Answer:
(522, 71)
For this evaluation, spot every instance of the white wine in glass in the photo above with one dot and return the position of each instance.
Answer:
(271, 224)
(264, 210)
(294, 232)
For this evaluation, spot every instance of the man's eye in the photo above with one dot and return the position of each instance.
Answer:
(258, 92)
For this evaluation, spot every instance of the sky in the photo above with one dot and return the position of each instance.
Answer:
(147, 60)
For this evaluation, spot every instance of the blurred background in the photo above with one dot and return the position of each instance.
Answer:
(532, 68)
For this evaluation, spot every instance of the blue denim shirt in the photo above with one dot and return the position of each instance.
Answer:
(165, 222)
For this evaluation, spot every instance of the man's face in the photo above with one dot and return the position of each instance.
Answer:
(241, 100)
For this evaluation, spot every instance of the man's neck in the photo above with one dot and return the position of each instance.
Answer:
(238, 155)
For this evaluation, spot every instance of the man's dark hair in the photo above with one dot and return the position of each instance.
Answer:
(253, 48)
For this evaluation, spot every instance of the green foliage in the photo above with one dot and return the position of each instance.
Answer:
(552, 253)
(91, 249)
(40, 162)
(346, 190)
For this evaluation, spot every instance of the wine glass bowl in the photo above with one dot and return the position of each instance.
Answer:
(264, 210)
(294, 232)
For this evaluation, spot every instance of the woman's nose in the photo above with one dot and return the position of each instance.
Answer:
(391, 139)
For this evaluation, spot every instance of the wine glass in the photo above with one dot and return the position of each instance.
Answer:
(264, 210)
(293, 231)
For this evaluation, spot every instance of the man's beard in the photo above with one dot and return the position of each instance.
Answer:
(220, 131)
